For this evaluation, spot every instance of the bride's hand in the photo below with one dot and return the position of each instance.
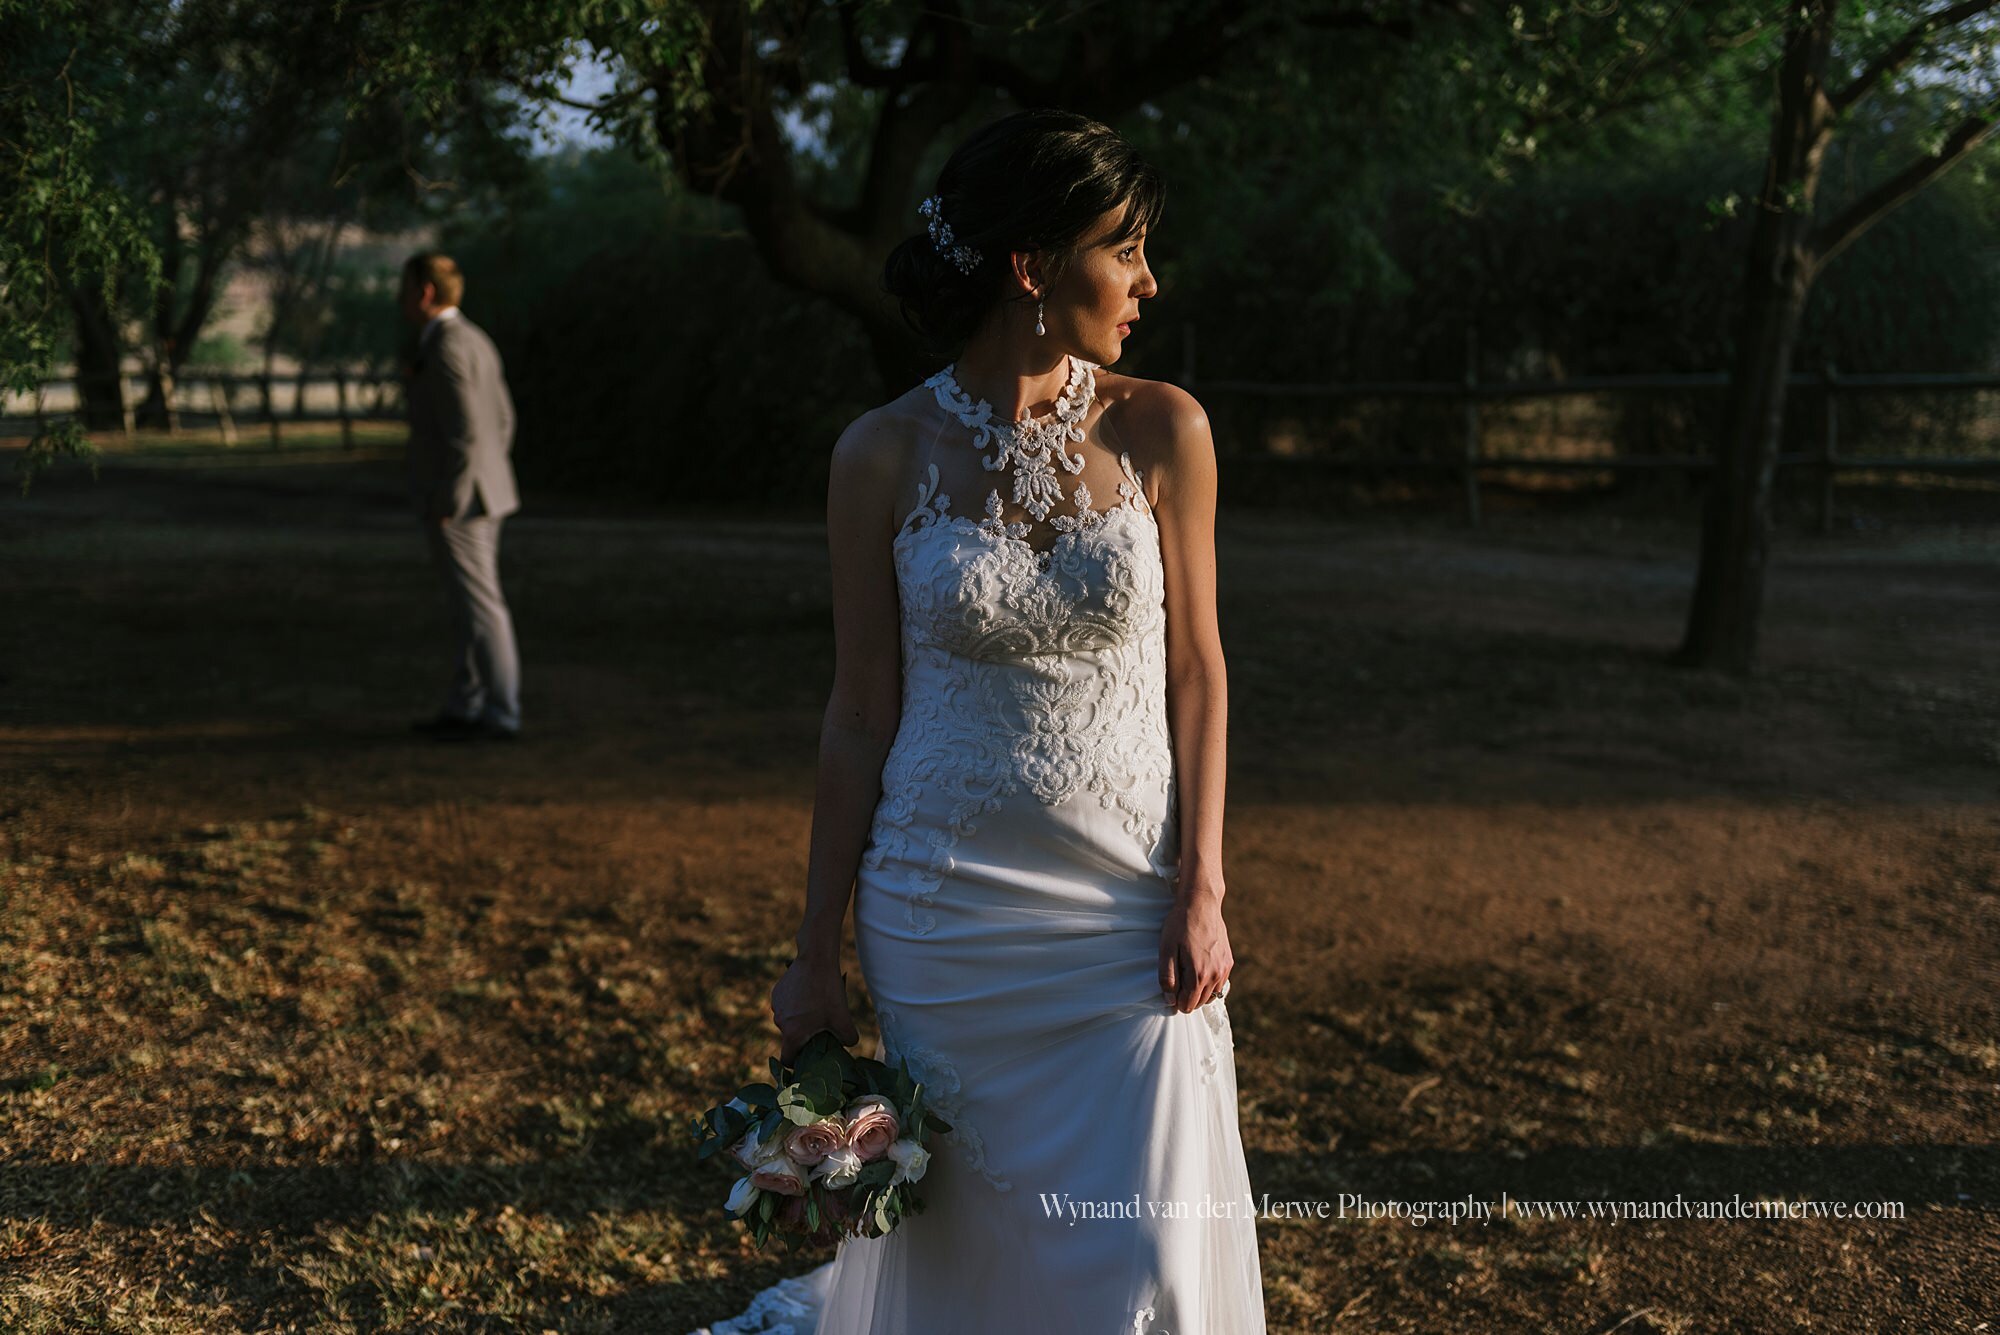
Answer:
(810, 997)
(1195, 960)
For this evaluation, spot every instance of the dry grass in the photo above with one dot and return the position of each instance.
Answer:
(304, 1025)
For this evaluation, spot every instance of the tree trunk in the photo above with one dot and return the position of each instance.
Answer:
(174, 334)
(99, 390)
(160, 409)
(156, 409)
(1724, 616)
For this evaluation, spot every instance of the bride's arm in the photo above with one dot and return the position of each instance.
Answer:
(865, 705)
(1197, 679)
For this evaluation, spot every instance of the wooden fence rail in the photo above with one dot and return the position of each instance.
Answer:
(1471, 460)
(383, 401)
(220, 392)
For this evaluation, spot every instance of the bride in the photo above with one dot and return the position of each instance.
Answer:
(1021, 784)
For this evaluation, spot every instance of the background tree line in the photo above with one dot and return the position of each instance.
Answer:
(1353, 186)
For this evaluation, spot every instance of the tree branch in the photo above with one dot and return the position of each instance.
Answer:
(733, 149)
(945, 73)
(619, 99)
(1836, 235)
(724, 140)
(1103, 80)
(865, 73)
(1106, 84)
(1903, 48)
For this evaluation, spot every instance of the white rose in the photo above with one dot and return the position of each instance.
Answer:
(911, 1159)
(742, 1197)
(780, 1175)
(753, 1152)
(865, 1102)
(839, 1168)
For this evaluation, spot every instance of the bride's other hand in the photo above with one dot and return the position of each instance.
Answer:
(1195, 960)
(810, 997)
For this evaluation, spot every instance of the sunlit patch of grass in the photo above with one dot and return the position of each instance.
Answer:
(253, 438)
(305, 1088)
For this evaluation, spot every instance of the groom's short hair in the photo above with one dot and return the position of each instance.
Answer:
(440, 271)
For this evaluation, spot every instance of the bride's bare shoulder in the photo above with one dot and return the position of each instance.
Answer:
(874, 449)
(886, 426)
(1153, 421)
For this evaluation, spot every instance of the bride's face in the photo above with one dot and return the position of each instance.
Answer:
(1091, 305)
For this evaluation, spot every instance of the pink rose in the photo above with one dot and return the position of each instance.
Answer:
(872, 1127)
(779, 1175)
(807, 1145)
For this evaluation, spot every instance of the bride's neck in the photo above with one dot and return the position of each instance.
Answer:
(1019, 383)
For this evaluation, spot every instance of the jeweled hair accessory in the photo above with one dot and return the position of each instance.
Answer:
(965, 257)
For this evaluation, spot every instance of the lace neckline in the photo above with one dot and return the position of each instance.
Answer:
(957, 400)
(1032, 445)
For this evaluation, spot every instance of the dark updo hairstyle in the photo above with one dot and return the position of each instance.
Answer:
(1036, 180)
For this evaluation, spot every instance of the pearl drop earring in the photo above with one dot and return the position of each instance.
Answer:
(1039, 327)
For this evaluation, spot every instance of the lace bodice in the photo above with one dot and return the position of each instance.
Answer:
(1029, 671)
(1033, 459)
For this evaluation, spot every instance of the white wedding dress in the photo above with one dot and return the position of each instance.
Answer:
(1008, 911)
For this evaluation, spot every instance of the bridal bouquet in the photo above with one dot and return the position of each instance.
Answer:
(830, 1149)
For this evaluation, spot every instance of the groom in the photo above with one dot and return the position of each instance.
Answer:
(462, 485)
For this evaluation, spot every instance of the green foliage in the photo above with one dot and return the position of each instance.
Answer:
(351, 317)
(141, 141)
(1347, 199)
(647, 347)
(222, 351)
(61, 221)
(62, 440)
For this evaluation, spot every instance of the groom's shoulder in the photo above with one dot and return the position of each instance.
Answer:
(463, 331)
(460, 339)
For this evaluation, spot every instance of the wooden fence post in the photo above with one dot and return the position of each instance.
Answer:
(346, 419)
(125, 405)
(218, 392)
(1829, 447)
(271, 409)
(169, 403)
(1471, 462)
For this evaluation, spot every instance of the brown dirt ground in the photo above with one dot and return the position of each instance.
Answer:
(304, 1024)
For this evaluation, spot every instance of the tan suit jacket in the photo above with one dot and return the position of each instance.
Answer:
(461, 425)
